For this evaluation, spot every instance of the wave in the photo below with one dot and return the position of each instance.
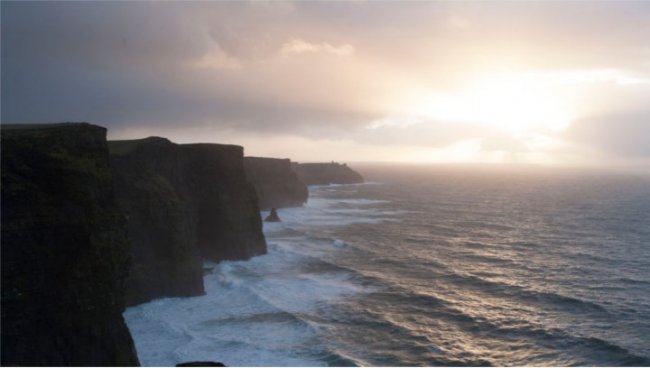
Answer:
(341, 286)
(217, 328)
(567, 303)
(629, 280)
(380, 315)
(261, 311)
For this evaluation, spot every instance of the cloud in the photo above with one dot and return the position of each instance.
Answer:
(623, 134)
(216, 59)
(163, 64)
(318, 71)
(297, 46)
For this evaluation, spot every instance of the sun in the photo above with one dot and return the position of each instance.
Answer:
(516, 103)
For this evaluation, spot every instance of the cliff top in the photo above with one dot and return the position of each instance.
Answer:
(257, 158)
(326, 173)
(123, 147)
(47, 126)
(320, 164)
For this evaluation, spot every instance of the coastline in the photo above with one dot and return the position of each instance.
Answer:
(274, 295)
(144, 213)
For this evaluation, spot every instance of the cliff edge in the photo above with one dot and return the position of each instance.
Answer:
(276, 184)
(229, 223)
(326, 173)
(64, 250)
(161, 225)
(184, 203)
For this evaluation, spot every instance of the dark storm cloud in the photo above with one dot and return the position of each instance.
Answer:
(69, 61)
(124, 63)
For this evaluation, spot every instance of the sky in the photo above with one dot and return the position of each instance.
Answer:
(551, 83)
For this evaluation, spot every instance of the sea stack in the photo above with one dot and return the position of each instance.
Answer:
(273, 216)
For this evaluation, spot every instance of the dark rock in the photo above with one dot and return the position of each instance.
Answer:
(276, 184)
(273, 216)
(229, 224)
(161, 226)
(185, 202)
(326, 173)
(64, 251)
(201, 364)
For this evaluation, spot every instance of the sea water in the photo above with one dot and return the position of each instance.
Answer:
(429, 266)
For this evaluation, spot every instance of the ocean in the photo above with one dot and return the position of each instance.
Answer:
(429, 266)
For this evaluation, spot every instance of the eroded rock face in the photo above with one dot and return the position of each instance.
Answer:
(229, 224)
(161, 225)
(184, 202)
(276, 184)
(64, 250)
(326, 173)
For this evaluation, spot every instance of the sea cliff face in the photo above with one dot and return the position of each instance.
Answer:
(276, 184)
(326, 173)
(79, 226)
(64, 250)
(184, 202)
(161, 225)
(229, 225)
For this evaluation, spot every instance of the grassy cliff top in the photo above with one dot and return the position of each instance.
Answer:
(45, 126)
(124, 147)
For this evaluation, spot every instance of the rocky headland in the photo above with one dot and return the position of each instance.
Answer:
(275, 182)
(64, 250)
(184, 202)
(89, 226)
(326, 173)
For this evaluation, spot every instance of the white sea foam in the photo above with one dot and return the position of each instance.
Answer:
(254, 312)
(386, 298)
(243, 320)
(327, 212)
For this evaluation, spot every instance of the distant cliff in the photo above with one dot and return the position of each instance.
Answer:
(326, 173)
(229, 222)
(276, 184)
(183, 202)
(64, 250)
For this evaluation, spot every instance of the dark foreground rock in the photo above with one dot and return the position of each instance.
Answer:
(184, 202)
(276, 184)
(64, 250)
(201, 364)
(326, 173)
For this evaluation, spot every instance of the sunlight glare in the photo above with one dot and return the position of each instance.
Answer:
(516, 103)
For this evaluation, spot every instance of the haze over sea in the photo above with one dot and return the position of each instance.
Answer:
(430, 266)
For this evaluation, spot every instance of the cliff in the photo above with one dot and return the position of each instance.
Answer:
(326, 173)
(184, 202)
(64, 250)
(229, 226)
(276, 184)
(162, 229)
